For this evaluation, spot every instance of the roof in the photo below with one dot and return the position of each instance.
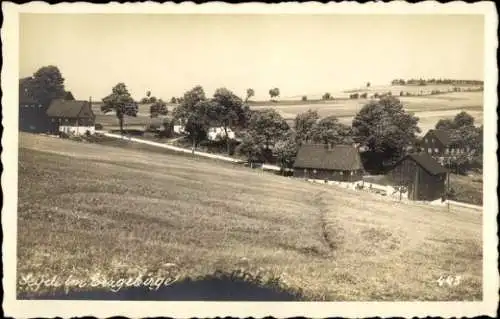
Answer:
(426, 161)
(319, 156)
(442, 135)
(70, 109)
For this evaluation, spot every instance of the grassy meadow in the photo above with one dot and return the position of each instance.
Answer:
(87, 209)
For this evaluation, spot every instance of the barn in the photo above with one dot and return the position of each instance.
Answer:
(71, 117)
(421, 174)
(329, 163)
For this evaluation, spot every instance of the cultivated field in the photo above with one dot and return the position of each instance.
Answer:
(87, 209)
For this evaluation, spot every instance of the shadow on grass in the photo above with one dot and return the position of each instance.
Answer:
(207, 289)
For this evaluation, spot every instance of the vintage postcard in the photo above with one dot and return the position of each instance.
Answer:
(294, 159)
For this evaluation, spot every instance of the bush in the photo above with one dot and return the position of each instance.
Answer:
(98, 126)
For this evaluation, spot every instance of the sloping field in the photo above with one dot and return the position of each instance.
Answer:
(88, 210)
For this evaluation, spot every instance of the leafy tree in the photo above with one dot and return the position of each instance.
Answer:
(364, 95)
(158, 108)
(251, 147)
(330, 131)
(384, 127)
(45, 85)
(250, 94)
(120, 102)
(326, 96)
(194, 113)
(445, 124)
(227, 110)
(268, 126)
(463, 119)
(304, 125)
(368, 84)
(286, 150)
(275, 92)
(304, 98)
(173, 100)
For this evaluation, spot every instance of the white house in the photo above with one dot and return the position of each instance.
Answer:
(218, 133)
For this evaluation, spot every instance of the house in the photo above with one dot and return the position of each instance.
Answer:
(71, 117)
(217, 133)
(440, 145)
(328, 163)
(422, 176)
(32, 116)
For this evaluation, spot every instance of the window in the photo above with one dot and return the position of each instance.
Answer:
(436, 150)
(425, 140)
(315, 171)
(432, 140)
(305, 170)
(352, 173)
(341, 173)
(447, 150)
(429, 150)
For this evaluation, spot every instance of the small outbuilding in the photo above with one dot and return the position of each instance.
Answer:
(421, 174)
(329, 163)
(71, 117)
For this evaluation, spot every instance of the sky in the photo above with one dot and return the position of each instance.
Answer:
(169, 54)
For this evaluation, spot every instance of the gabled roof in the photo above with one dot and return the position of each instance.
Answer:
(426, 161)
(70, 109)
(319, 156)
(442, 135)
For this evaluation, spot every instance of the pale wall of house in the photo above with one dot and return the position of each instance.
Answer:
(77, 130)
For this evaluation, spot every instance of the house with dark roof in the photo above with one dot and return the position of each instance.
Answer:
(32, 116)
(328, 163)
(422, 176)
(440, 145)
(71, 117)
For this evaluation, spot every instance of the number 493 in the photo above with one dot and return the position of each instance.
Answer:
(451, 281)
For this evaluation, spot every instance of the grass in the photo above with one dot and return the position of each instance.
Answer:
(468, 189)
(88, 209)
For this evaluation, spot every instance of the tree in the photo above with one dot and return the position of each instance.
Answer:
(158, 108)
(304, 125)
(445, 124)
(385, 128)
(275, 92)
(250, 94)
(304, 98)
(268, 126)
(286, 150)
(227, 110)
(251, 147)
(326, 96)
(193, 113)
(120, 102)
(368, 84)
(330, 131)
(45, 85)
(173, 100)
(463, 119)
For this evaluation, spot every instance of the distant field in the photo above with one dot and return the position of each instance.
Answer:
(429, 108)
(86, 209)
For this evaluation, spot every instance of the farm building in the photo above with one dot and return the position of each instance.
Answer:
(32, 116)
(328, 163)
(71, 117)
(421, 174)
(440, 146)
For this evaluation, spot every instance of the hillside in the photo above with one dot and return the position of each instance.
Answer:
(87, 209)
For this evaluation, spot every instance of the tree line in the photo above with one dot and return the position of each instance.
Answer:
(435, 81)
